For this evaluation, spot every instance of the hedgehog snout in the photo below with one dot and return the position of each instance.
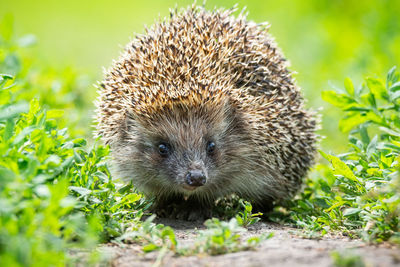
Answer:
(195, 178)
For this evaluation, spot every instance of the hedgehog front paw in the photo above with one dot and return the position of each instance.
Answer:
(183, 210)
(193, 214)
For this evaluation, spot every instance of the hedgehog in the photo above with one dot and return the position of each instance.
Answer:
(202, 106)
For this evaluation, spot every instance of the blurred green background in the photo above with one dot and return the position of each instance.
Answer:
(325, 41)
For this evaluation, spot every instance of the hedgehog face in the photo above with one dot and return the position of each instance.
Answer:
(187, 161)
(182, 149)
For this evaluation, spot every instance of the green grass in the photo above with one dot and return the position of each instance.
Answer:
(57, 193)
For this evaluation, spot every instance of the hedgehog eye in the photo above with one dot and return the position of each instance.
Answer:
(164, 149)
(210, 147)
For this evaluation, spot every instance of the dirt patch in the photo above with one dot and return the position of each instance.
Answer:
(286, 248)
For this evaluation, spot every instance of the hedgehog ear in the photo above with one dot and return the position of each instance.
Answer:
(230, 113)
(129, 121)
(124, 127)
(233, 117)
(137, 125)
(133, 120)
(128, 125)
(229, 108)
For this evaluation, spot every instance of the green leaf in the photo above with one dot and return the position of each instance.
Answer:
(6, 175)
(34, 107)
(395, 95)
(78, 158)
(348, 85)
(390, 131)
(54, 113)
(391, 76)
(79, 142)
(23, 134)
(169, 232)
(9, 129)
(377, 88)
(53, 160)
(13, 110)
(80, 190)
(150, 247)
(351, 211)
(357, 108)
(334, 206)
(355, 118)
(5, 77)
(338, 100)
(364, 134)
(371, 100)
(340, 167)
(325, 187)
(392, 199)
(371, 148)
(395, 87)
(352, 120)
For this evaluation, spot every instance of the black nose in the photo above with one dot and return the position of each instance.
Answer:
(195, 178)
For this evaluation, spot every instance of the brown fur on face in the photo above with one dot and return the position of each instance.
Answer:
(200, 77)
(187, 129)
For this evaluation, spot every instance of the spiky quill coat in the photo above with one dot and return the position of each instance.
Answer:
(203, 74)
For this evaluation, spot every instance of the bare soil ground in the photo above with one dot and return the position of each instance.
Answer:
(286, 248)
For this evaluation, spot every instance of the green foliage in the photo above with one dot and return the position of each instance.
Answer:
(55, 194)
(63, 88)
(117, 206)
(341, 259)
(152, 236)
(222, 237)
(219, 237)
(359, 193)
(246, 217)
(37, 217)
(374, 102)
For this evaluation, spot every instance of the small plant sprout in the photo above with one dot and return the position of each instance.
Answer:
(246, 217)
